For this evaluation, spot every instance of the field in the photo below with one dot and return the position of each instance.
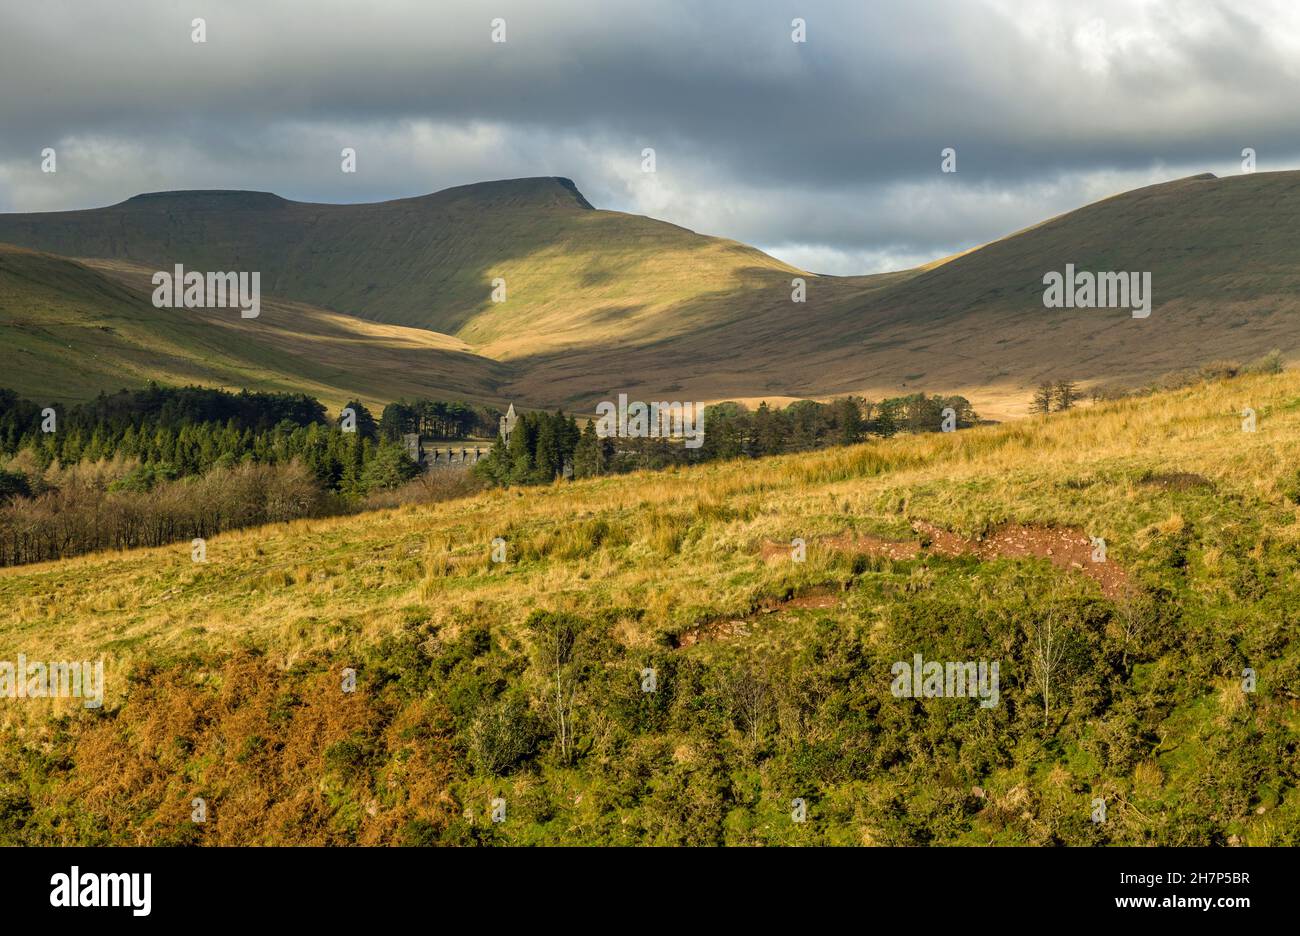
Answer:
(519, 685)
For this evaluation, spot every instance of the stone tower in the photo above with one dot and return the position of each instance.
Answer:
(414, 450)
(508, 424)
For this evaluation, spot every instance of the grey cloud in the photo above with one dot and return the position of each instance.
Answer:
(829, 149)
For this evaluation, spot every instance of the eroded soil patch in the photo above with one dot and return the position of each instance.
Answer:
(1177, 481)
(1065, 548)
(819, 599)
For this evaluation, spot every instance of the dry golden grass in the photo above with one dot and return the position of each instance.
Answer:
(666, 549)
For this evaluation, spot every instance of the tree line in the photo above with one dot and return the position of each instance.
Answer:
(80, 509)
(152, 466)
(155, 407)
(157, 465)
(546, 446)
(184, 432)
(438, 419)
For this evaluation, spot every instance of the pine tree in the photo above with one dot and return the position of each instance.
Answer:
(366, 426)
(523, 440)
(768, 435)
(495, 466)
(848, 420)
(547, 454)
(1065, 394)
(354, 478)
(588, 456)
(387, 467)
(571, 436)
(1043, 398)
(887, 412)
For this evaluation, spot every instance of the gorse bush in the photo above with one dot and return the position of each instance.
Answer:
(562, 728)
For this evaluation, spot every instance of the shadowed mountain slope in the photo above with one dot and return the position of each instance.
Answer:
(599, 302)
(68, 331)
(1225, 266)
(430, 261)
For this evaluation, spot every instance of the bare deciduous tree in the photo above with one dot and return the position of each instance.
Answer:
(1047, 652)
(1132, 615)
(749, 697)
(557, 641)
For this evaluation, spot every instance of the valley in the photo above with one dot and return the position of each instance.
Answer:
(601, 302)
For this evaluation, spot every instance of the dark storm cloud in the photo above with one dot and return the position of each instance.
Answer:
(827, 149)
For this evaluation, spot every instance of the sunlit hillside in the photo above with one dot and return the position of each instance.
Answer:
(522, 681)
(572, 274)
(593, 302)
(70, 330)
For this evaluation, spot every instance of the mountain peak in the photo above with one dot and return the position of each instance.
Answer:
(533, 192)
(212, 199)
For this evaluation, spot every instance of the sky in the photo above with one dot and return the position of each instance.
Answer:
(826, 153)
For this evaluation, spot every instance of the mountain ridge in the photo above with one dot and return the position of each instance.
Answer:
(598, 302)
(427, 261)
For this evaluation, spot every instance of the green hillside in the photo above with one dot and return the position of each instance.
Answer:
(1225, 265)
(427, 261)
(68, 331)
(225, 679)
(599, 302)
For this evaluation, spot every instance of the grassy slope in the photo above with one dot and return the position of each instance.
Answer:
(1224, 267)
(1174, 746)
(601, 301)
(68, 331)
(427, 261)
